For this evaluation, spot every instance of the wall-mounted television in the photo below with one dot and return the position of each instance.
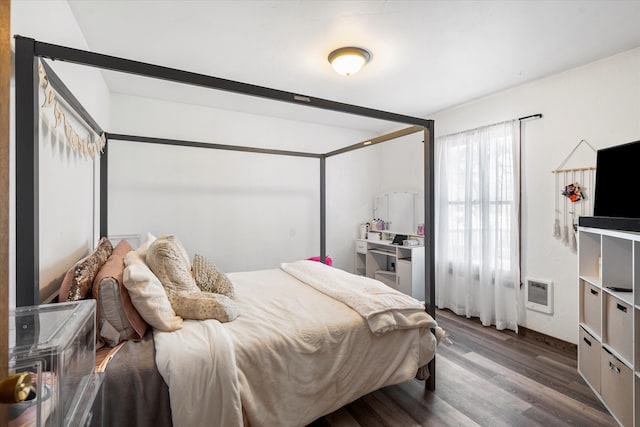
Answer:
(615, 203)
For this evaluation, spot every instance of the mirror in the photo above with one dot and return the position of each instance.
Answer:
(402, 210)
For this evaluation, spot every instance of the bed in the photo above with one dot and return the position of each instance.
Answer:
(305, 340)
(294, 353)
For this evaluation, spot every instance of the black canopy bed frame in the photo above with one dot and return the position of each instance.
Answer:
(27, 54)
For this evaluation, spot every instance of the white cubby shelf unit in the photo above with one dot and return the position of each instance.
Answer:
(609, 319)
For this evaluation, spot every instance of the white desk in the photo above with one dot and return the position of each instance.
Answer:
(400, 267)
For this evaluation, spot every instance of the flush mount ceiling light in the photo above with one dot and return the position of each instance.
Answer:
(348, 60)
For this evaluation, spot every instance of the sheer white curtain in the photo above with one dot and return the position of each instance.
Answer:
(477, 234)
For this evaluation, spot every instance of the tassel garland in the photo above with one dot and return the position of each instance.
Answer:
(75, 142)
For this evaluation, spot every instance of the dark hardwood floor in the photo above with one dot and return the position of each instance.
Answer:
(486, 378)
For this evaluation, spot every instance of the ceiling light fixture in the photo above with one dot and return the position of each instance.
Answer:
(349, 60)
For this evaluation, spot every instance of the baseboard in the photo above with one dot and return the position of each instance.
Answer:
(553, 342)
(524, 333)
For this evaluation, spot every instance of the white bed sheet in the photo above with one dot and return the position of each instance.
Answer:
(294, 353)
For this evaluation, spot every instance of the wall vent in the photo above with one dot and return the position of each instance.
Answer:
(539, 295)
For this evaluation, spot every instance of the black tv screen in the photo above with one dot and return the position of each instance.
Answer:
(617, 173)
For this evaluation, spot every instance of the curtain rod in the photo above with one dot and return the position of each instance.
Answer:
(532, 116)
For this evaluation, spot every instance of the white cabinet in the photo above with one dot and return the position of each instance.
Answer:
(609, 316)
(361, 257)
(400, 267)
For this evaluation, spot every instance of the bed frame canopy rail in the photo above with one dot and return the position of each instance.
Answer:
(27, 54)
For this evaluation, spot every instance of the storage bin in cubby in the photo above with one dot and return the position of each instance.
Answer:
(637, 379)
(618, 326)
(589, 359)
(636, 405)
(636, 363)
(591, 307)
(616, 388)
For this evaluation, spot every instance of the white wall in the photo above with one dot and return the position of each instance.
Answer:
(402, 165)
(598, 102)
(355, 178)
(67, 229)
(243, 210)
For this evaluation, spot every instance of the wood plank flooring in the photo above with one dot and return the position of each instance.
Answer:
(486, 378)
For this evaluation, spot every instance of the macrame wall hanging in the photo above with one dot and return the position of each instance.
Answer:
(574, 188)
(73, 140)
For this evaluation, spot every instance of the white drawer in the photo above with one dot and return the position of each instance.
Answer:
(589, 351)
(591, 307)
(361, 246)
(619, 326)
(616, 388)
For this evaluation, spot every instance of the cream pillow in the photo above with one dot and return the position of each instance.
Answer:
(148, 295)
(144, 247)
(169, 261)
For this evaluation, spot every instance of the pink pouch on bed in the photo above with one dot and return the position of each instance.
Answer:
(317, 258)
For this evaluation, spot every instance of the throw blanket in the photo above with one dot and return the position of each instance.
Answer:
(385, 309)
(199, 373)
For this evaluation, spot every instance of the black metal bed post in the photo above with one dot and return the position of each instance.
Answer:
(104, 189)
(323, 210)
(429, 241)
(27, 174)
(429, 212)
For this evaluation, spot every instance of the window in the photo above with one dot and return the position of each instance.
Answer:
(477, 202)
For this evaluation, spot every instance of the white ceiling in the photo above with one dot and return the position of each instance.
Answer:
(427, 55)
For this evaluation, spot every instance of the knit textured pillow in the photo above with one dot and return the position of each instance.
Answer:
(209, 278)
(169, 261)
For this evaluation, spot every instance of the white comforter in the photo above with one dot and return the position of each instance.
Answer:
(291, 356)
